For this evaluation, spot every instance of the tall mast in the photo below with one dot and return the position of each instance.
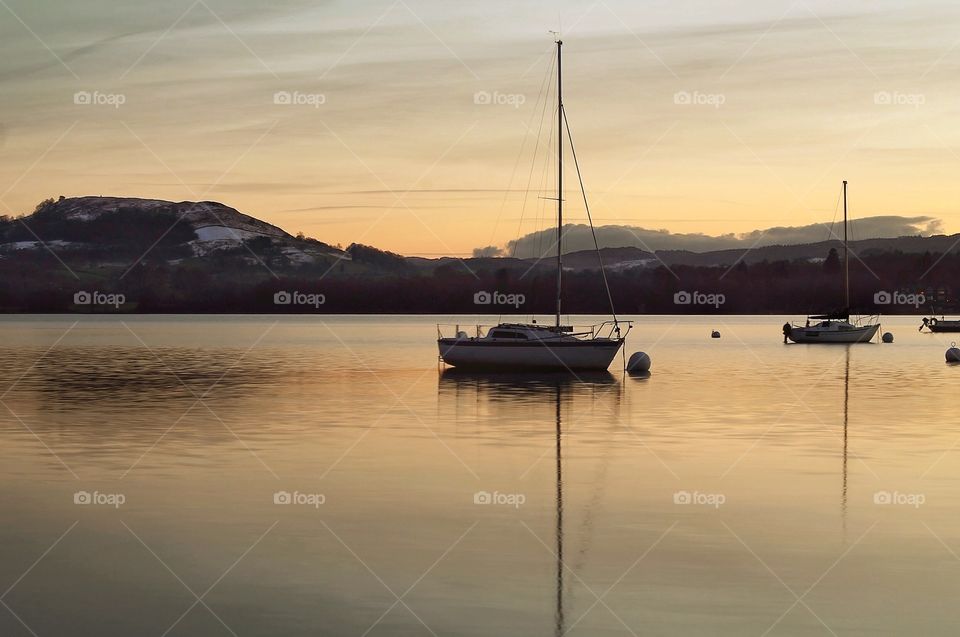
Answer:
(559, 180)
(846, 259)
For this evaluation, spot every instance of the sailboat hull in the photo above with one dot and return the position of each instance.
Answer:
(862, 334)
(572, 355)
(944, 326)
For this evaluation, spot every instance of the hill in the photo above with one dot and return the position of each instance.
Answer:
(110, 254)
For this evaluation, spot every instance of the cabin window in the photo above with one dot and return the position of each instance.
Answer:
(506, 334)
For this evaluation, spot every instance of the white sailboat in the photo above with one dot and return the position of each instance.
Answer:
(531, 346)
(835, 327)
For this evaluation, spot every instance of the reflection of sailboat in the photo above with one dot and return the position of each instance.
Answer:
(528, 386)
(519, 346)
(519, 384)
(846, 412)
(558, 615)
(835, 327)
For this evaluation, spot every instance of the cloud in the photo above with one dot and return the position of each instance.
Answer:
(489, 251)
(578, 237)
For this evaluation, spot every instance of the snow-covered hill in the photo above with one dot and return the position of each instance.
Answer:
(203, 227)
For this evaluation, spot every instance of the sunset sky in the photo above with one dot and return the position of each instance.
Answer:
(390, 148)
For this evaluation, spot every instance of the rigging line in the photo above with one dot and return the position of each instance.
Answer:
(586, 205)
(546, 177)
(833, 221)
(541, 206)
(533, 161)
(545, 180)
(850, 227)
(516, 163)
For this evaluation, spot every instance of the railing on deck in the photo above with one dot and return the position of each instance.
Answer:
(607, 329)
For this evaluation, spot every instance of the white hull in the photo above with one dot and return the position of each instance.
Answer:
(816, 334)
(595, 354)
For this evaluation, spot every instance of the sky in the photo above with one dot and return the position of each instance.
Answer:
(370, 121)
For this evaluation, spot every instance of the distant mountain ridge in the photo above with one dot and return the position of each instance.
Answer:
(206, 228)
(187, 256)
(620, 259)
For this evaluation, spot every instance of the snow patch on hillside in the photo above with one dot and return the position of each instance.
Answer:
(296, 256)
(37, 245)
(223, 233)
(213, 238)
(635, 263)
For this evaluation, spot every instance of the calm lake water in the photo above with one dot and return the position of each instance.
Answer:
(296, 476)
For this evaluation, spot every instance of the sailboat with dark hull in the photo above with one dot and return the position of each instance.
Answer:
(942, 324)
(835, 327)
(533, 346)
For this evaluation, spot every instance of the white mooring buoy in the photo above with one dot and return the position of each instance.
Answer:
(638, 362)
(887, 337)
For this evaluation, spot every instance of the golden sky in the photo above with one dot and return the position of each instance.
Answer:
(694, 116)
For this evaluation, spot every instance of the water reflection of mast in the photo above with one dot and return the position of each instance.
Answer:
(559, 612)
(491, 390)
(846, 409)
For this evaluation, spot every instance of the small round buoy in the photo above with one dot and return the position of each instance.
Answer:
(887, 337)
(715, 334)
(638, 362)
(953, 354)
